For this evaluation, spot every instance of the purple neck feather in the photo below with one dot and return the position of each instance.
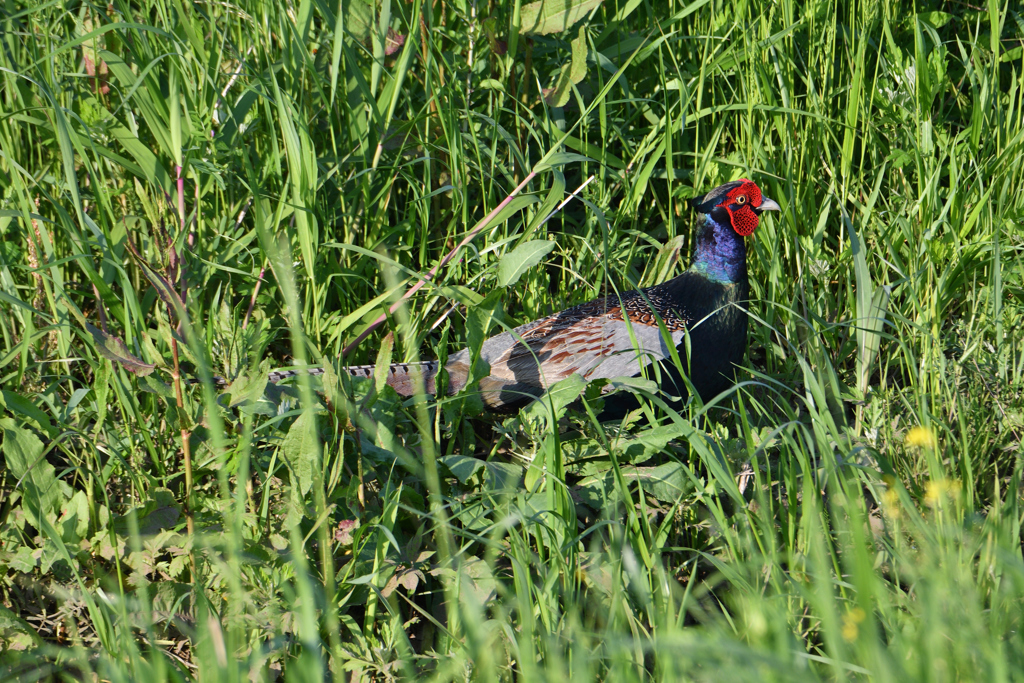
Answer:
(720, 254)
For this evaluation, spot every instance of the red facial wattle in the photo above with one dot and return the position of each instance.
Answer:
(740, 204)
(744, 220)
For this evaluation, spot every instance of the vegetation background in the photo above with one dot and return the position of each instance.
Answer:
(200, 189)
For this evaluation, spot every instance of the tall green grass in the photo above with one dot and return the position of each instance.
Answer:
(287, 171)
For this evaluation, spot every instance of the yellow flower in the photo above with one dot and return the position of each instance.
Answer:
(850, 621)
(891, 502)
(921, 437)
(936, 489)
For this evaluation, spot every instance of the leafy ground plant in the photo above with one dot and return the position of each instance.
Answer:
(204, 190)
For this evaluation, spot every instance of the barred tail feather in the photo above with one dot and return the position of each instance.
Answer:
(281, 375)
(401, 376)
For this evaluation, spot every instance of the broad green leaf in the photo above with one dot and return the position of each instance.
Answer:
(112, 348)
(463, 295)
(557, 398)
(579, 56)
(22, 449)
(23, 452)
(479, 320)
(571, 74)
(558, 94)
(482, 317)
(477, 582)
(869, 334)
(101, 389)
(160, 511)
(463, 467)
(334, 395)
(497, 476)
(74, 518)
(935, 19)
(513, 264)
(301, 450)
(152, 168)
(382, 367)
(648, 443)
(553, 16)
(668, 482)
(154, 386)
(24, 408)
(1013, 55)
(16, 633)
(555, 195)
(513, 207)
(560, 159)
(247, 388)
(871, 304)
(174, 106)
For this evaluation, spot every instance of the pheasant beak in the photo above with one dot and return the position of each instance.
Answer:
(768, 205)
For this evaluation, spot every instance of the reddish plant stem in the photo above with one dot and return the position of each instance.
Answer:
(252, 301)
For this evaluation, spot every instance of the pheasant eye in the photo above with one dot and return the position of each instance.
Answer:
(742, 199)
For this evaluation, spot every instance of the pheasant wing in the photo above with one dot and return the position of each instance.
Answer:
(600, 339)
(595, 340)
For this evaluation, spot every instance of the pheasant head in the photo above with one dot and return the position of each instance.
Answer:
(729, 213)
(738, 204)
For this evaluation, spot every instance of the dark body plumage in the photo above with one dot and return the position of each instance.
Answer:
(617, 335)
